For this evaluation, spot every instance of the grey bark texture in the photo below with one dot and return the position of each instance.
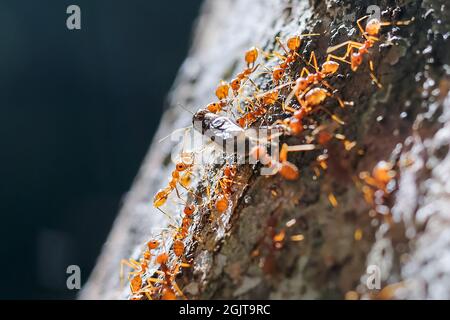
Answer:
(407, 120)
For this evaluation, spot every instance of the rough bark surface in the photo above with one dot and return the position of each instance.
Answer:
(407, 120)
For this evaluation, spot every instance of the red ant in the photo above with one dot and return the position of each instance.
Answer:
(224, 188)
(168, 288)
(139, 267)
(286, 169)
(376, 189)
(270, 97)
(222, 91)
(292, 45)
(371, 35)
(259, 108)
(182, 167)
(250, 58)
(309, 98)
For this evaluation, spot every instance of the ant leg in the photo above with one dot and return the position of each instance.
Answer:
(332, 56)
(283, 152)
(254, 85)
(247, 79)
(281, 45)
(309, 35)
(208, 194)
(147, 294)
(148, 290)
(185, 265)
(350, 45)
(285, 149)
(293, 93)
(122, 262)
(160, 272)
(264, 53)
(255, 68)
(301, 147)
(178, 290)
(239, 108)
(333, 116)
(312, 57)
(225, 180)
(398, 23)
(361, 29)
(130, 263)
(178, 193)
(287, 108)
(279, 55)
(332, 89)
(304, 71)
(156, 280)
(266, 69)
(372, 74)
(166, 214)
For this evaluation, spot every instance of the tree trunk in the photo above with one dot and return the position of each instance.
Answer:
(327, 251)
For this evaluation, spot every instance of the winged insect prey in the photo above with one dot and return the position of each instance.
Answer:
(233, 140)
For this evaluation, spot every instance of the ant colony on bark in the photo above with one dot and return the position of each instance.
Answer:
(309, 110)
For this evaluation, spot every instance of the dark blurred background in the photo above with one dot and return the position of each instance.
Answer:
(78, 110)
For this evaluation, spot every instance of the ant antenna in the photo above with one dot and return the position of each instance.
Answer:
(177, 130)
(167, 215)
(184, 108)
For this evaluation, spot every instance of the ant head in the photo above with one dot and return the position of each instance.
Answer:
(293, 43)
(146, 256)
(235, 84)
(189, 209)
(373, 27)
(181, 166)
(277, 73)
(213, 107)
(153, 244)
(301, 84)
